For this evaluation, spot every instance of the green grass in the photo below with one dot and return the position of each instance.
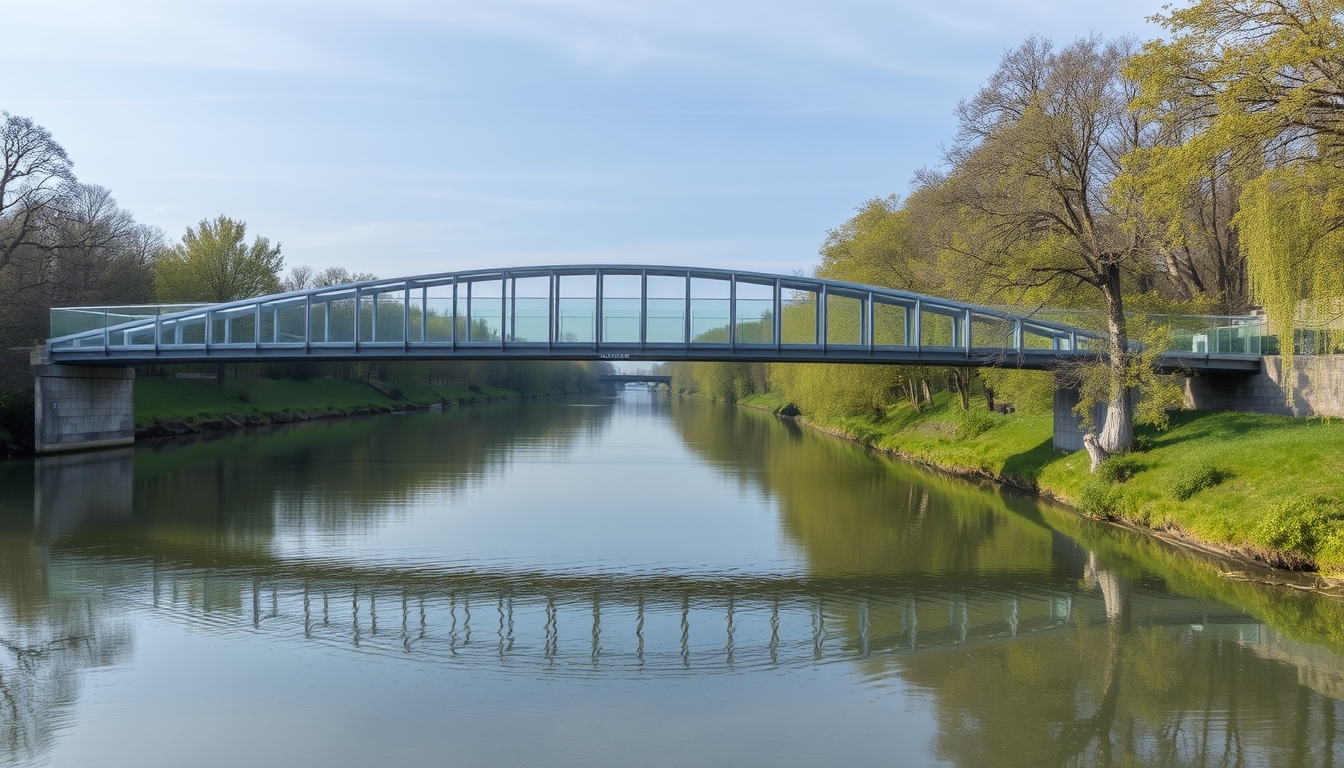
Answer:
(1216, 476)
(769, 401)
(199, 400)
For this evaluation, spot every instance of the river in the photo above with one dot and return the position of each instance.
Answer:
(631, 580)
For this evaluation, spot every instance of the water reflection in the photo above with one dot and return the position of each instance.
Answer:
(1031, 637)
(51, 634)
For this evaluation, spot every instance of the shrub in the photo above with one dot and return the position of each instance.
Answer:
(1193, 478)
(1118, 469)
(1100, 498)
(1301, 524)
(973, 422)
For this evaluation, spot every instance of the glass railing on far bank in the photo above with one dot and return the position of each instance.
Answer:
(1190, 334)
(1215, 334)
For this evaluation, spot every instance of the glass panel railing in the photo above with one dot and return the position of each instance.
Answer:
(67, 321)
(798, 317)
(709, 321)
(666, 323)
(531, 320)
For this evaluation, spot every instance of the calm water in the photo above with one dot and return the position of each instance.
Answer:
(638, 580)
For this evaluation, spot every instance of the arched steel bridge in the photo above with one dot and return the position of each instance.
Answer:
(607, 312)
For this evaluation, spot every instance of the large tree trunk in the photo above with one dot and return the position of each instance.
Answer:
(1118, 434)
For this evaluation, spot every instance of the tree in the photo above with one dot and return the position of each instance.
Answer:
(35, 176)
(86, 251)
(1265, 79)
(1029, 205)
(339, 276)
(213, 263)
(877, 247)
(300, 278)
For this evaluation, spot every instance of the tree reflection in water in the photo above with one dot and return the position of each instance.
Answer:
(1121, 687)
(1032, 637)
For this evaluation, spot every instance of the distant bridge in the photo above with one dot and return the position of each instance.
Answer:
(627, 312)
(635, 378)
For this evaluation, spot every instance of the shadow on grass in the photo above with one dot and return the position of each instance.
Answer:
(1200, 425)
(1026, 467)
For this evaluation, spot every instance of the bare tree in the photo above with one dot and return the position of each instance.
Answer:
(339, 276)
(85, 251)
(300, 278)
(35, 176)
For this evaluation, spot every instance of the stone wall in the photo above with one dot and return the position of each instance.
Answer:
(77, 407)
(1317, 391)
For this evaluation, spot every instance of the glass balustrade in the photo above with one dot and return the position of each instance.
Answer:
(623, 306)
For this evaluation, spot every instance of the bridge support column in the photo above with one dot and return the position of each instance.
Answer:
(81, 407)
(1069, 425)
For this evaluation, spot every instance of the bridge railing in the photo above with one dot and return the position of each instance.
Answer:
(568, 308)
(1190, 334)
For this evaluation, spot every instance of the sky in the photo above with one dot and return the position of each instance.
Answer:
(404, 137)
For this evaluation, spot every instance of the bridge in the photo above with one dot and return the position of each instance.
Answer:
(635, 378)
(607, 312)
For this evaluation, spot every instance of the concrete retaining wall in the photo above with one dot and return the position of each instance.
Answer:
(1317, 391)
(80, 407)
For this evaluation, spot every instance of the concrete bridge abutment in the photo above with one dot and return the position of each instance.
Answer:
(78, 407)
(1069, 432)
(1318, 388)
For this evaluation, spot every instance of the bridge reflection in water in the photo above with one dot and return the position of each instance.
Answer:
(578, 621)
(645, 622)
(1021, 625)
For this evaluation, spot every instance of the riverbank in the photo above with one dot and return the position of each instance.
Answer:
(1268, 488)
(166, 407)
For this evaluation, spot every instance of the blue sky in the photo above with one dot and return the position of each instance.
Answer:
(405, 137)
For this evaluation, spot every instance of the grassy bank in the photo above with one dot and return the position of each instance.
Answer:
(1269, 487)
(197, 402)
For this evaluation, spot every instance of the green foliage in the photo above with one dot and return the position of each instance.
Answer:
(833, 391)
(1289, 224)
(1028, 391)
(974, 422)
(1312, 526)
(877, 246)
(1119, 469)
(1195, 477)
(213, 263)
(1101, 499)
(1274, 136)
(726, 382)
(1157, 395)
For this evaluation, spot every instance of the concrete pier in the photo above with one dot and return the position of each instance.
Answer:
(80, 407)
(1069, 425)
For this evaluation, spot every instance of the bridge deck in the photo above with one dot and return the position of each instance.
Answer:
(606, 313)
